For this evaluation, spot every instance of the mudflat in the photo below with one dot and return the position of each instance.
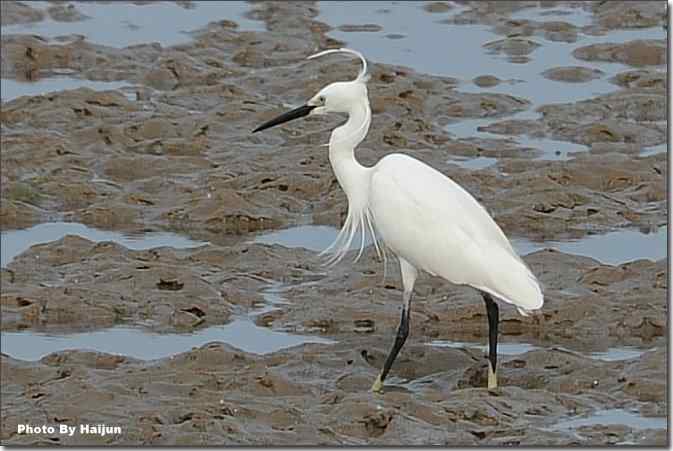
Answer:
(228, 329)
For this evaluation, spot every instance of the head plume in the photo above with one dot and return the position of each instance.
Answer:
(362, 76)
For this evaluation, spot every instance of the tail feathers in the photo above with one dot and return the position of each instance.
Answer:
(524, 312)
(517, 286)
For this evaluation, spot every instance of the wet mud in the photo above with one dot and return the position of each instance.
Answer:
(169, 149)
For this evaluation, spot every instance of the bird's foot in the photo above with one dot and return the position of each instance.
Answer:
(378, 386)
(492, 380)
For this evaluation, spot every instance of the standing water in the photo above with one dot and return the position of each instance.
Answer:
(241, 333)
(408, 28)
(120, 24)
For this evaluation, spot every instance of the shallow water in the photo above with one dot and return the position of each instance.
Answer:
(413, 28)
(548, 148)
(12, 89)
(503, 348)
(14, 242)
(469, 128)
(577, 16)
(654, 150)
(241, 333)
(312, 237)
(273, 298)
(121, 24)
(417, 28)
(551, 149)
(612, 417)
(611, 354)
(470, 58)
(474, 163)
(619, 353)
(613, 248)
(140, 344)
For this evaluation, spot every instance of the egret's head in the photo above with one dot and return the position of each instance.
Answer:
(337, 97)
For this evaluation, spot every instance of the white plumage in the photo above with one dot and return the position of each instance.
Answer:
(440, 228)
(426, 219)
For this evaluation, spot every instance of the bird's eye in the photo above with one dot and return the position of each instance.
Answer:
(321, 99)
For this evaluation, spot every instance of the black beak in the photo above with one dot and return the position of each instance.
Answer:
(302, 111)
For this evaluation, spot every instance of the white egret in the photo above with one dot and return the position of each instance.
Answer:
(426, 219)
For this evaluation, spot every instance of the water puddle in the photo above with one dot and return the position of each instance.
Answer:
(14, 242)
(503, 348)
(613, 417)
(576, 16)
(619, 353)
(312, 237)
(273, 298)
(241, 333)
(543, 91)
(140, 344)
(654, 150)
(549, 149)
(613, 248)
(413, 28)
(611, 354)
(470, 128)
(122, 24)
(474, 163)
(12, 89)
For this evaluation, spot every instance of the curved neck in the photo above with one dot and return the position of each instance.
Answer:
(350, 174)
(345, 138)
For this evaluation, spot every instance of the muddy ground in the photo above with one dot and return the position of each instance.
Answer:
(176, 154)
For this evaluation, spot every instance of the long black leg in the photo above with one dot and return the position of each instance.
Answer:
(400, 338)
(409, 274)
(493, 318)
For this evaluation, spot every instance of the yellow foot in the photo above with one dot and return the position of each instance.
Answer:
(378, 385)
(492, 378)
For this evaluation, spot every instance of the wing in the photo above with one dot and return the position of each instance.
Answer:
(432, 222)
